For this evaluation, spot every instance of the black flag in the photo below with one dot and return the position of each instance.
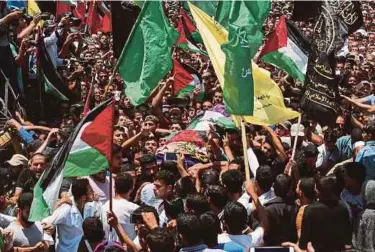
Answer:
(124, 15)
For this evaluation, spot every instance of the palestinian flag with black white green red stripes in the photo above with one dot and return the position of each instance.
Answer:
(286, 48)
(87, 151)
(189, 35)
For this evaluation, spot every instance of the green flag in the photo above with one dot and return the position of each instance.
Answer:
(146, 57)
(49, 88)
(244, 39)
(222, 13)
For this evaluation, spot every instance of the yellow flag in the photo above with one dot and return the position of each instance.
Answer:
(32, 8)
(269, 107)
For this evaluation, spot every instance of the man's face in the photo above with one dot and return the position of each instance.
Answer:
(218, 98)
(117, 160)
(207, 105)
(97, 94)
(175, 127)
(150, 169)
(311, 162)
(150, 126)
(174, 114)
(119, 137)
(38, 164)
(137, 157)
(127, 103)
(100, 176)
(103, 77)
(151, 146)
(24, 215)
(122, 121)
(352, 81)
(267, 149)
(161, 190)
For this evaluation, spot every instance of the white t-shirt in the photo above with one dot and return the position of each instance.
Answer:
(28, 237)
(246, 241)
(123, 209)
(101, 189)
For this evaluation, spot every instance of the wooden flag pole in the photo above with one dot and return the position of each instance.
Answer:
(244, 146)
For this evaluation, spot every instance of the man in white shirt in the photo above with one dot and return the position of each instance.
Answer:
(121, 207)
(99, 183)
(28, 234)
(51, 39)
(68, 219)
(235, 219)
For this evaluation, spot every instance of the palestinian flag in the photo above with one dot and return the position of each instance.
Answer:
(87, 151)
(286, 48)
(202, 121)
(49, 88)
(188, 34)
(186, 79)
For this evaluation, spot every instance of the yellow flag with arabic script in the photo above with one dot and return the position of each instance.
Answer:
(269, 107)
(32, 8)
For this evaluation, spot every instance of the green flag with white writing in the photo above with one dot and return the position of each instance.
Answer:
(146, 57)
(244, 39)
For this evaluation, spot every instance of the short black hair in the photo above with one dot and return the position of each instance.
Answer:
(147, 159)
(210, 225)
(356, 135)
(118, 128)
(327, 187)
(171, 166)
(93, 229)
(116, 149)
(136, 216)
(307, 186)
(123, 183)
(218, 195)
(166, 176)
(160, 239)
(80, 188)
(235, 216)
(282, 185)
(355, 171)
(25, 200)
(189, 227)
(232, 180)
(184, 186)
(197, 203)
(209, 177)
(264, 177)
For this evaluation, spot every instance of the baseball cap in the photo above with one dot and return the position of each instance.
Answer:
(294, 130)
(286, 125)
(17, 160)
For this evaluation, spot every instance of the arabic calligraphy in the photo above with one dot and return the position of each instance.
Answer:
(245, 72)
(345, 9)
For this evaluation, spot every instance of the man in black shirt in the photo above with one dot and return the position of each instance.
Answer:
(326, 224)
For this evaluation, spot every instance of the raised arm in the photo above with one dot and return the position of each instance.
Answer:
(276, 143)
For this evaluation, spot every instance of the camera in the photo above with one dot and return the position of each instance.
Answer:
(73, 20)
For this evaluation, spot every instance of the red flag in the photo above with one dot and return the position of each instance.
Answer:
(62, 8)
(106, 24)
(93, 19)
(80, 11)
(182, 78)
(86, 109)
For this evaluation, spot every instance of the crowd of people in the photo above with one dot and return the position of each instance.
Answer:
(322, 200)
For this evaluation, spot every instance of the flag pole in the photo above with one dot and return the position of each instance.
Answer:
(244, 146)
(296, 138)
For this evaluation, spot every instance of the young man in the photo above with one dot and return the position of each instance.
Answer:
(121, 207)
(306, 195)
(68, 219)
(28, 234)
(235, 219)
(326, 224)
(99, 182)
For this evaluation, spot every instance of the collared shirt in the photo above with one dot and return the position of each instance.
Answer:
(345, 147)
(51, 45)
(366, 156)
(263, 199)
(246, 241)
(199, 248)
(68, 221)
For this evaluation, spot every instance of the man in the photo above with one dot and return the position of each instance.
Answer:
(235, 219)
(28, 234)
(121, 206)
(326, 224)
(190, 234)
(119, 135)
(306, 195)
(29, 177)
(218, 98)
(345, 144)
(99, 183)
(281, 214)
(68, 219)
(163, 189)
(366, 155)
(10, 173)
(217, 197)
(151, 145)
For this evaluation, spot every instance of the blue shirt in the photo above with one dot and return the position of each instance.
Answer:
(370, 100)
(366, 156)
(199, 248)
(230, 247)
(26, 136)
(344, 147)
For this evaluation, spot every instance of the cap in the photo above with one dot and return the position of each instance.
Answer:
(286, 125)
(294, 131)
(17, 160)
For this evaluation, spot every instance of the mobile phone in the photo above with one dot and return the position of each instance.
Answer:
(271, 249)
(170, 156)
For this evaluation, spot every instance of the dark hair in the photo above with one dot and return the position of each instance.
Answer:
(232, 180)
(166, 176)
(330, 136)
(116, 149)
(356, 135)
(147, 159)
(282, 185)
(209, 177)
(210, 225)
(355, 171)
(188, 226)
(136, 216)
(184, 186)
(38, 154)
(235, 216)
(93, 229)
(307, 186)
(310, 150)
(160, 240)
(264, 177)
(218, 195)
(197, 203)
(327, 188)
(123, 183)
(171, 166)
(25, 200)
(80, 188)
(118, 128)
